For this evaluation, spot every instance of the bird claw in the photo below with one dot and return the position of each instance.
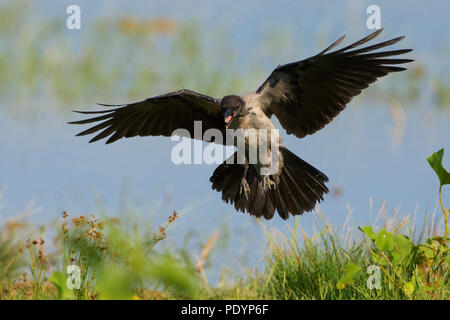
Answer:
(245, 188)
(268, 183)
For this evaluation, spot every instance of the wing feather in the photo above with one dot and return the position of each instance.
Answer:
(155, 116)
(306, 95)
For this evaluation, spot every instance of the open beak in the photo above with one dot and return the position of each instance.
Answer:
(228, 118)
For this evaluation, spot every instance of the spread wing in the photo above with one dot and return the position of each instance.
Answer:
(156, 116)
(306, 95)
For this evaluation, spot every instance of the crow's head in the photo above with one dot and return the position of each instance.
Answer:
(231, 107)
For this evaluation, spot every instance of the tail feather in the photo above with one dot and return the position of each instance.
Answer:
(299, 187)
(280, 204)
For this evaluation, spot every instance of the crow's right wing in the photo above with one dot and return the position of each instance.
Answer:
(156, 116)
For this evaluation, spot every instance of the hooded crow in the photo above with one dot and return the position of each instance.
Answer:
(304, 96)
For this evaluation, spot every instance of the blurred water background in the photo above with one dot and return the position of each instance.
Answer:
(128, 51)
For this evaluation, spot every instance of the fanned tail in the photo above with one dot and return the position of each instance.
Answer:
(297, 189)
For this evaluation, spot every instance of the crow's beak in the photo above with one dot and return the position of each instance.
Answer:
(228, 120)
(228, 117)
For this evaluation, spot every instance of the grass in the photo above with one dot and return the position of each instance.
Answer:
(118, 263)
(299, 266)
(318, 269)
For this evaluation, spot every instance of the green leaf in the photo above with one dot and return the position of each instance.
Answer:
(368, 231)
(435, 161)
(351, 273)
(384, 240)
(428, 249)
(403, 248)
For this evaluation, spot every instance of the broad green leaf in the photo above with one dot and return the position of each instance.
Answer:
(435, 161)
(351, 273)
(427, 252)
(403, 248)
(384, 240)
(368, 231)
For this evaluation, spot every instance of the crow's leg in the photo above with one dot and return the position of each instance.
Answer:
(245, 187)
(267, 181)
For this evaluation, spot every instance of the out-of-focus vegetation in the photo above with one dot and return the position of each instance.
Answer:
(118, 263)
(121, 58)
(114, 262)
(441, 88)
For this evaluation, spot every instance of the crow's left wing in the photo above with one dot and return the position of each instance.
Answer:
(306, 95)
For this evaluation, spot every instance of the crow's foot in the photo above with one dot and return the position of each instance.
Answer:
(245, 188)
(268, 183)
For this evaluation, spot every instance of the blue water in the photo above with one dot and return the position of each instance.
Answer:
(42, 159)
